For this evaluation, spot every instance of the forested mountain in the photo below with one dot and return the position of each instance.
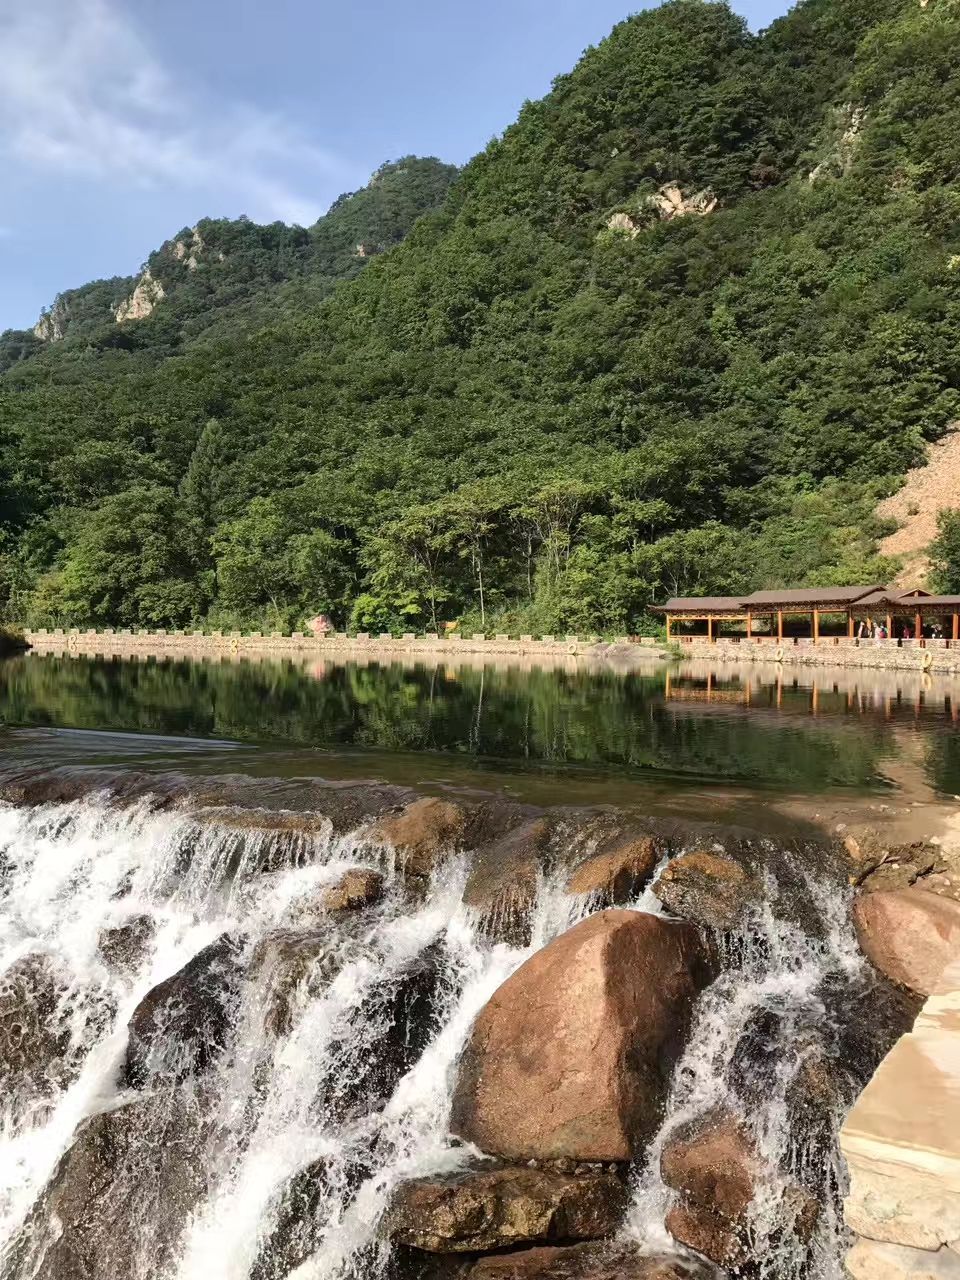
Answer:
(676, 330)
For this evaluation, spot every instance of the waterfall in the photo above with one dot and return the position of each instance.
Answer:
(322, 1107)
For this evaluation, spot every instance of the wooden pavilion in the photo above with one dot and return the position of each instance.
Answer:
(870, 604)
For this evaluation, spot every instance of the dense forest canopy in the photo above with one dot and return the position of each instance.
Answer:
(676, 331)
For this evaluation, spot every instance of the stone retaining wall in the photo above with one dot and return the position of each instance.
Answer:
(201, 644)
(940, 656)
(902, 1146)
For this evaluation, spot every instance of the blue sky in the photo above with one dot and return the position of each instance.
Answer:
(123, 120)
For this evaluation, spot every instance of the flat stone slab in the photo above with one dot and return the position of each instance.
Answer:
(868, 1260)
(902, 1138)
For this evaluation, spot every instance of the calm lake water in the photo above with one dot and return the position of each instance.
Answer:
(805, 731)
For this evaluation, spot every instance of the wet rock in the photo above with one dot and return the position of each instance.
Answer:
(298, 1217)
(571, 1058)
(908, 934)
(291, 964)
(180, 1025)
(402, 1015)
(616, 875)
(707, 889)
(588, 1262)
(360, 887)
(714, 1166)
(421, 833)
(502, 885)
(413, 1264)
(33, 1040)
(125, 947)
(120, 1197)
(878, 867)
(479, 1210)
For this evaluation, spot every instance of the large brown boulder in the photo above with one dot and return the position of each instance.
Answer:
(502, 886)
(180, 1024)
(120, 1197)
(479, 1210)
(587, 1262)
(616, 872)
(707, 889)
(421, 833)
(571, 1058)
(909, 935)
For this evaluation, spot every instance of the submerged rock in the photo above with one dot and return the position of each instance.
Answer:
(909, 935)
(297, 1220)
(360, 887)
(616, 874)
(401, 1013)
(571, 1058)
(714, 1166)
(120, 1197)
(707, 889)
(478, 1210)
(33, 1041)
(180, 1025)
(125, 947)
(502, 886)
(291, 963)
(421, 833)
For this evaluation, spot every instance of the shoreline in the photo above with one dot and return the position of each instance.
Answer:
(216, 644)
(625, 653)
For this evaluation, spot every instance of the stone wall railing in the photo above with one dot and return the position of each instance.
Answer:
(942, 656)
(201, 643)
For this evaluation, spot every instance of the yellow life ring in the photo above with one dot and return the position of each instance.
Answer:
(927, 660)
(778, 656)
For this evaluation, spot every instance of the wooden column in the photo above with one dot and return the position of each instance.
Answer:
(816, 626)
(749, 625)
(889, 626)
(918, 620)
(849, 626)
(669, 620)
(710, 630)
(956, 626)
(780, 625)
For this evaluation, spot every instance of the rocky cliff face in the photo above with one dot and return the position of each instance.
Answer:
(141, 303)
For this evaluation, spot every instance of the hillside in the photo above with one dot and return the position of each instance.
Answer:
(677, 330)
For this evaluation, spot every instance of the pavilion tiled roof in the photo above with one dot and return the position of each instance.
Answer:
(841, 596)
(703, 604)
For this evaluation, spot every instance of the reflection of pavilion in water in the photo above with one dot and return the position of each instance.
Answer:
(817, 691)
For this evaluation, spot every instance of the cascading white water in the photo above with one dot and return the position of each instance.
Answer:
(770, 966)
(283, 1101)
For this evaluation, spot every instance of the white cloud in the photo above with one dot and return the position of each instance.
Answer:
(82, 95)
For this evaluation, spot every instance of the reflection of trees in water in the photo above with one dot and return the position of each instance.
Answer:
(942, 761)
(582, 717)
